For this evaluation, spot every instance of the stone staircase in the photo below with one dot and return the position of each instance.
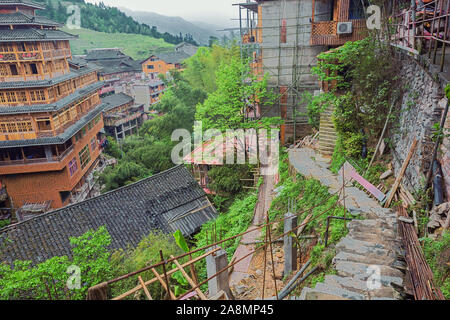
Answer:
(371, 245)
(327, 133)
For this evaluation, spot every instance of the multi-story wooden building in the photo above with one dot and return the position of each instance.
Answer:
(50, 110)
(162, 63)
(116, 70)
(122, 116)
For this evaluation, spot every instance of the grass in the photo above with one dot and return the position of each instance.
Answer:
(139, 47)
(437, 254)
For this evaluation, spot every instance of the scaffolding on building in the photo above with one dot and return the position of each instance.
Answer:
(279, 45)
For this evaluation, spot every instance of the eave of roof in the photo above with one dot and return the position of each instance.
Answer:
(74, 73)
(31, 34)
(53, 106)
(59, 139)
(27, 3)
(20, 18)
(116, 100)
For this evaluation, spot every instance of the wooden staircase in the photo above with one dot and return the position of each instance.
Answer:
(327, 133)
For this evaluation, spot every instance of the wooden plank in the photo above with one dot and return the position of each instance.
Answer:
(147, 293)
(401, 174)
(191, 282)
(304, 224)
(137, 288)
(163, 284)
(351, 172)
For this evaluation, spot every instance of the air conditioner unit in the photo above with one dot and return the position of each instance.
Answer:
(344, 27)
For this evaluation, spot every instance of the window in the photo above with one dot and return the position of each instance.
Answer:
(11, 127)
(22, 96)
(11, 96)
(73, 166)
(150, 67)
(13, 69)
(85, 157)
(4, 70)
(33, 68)
(24, 126)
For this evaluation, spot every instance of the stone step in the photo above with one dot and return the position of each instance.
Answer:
(389, 260)
(362, 271)
(386, 239)
(328, 137)
(351, 245)
(362, 287)
(338, 291)
(369, 224)
(312, 294)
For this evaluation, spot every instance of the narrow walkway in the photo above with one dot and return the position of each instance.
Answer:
(372, 245)
(246, 245)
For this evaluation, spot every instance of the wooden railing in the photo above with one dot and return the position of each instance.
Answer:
(325, 32)
(37, 160)
(422, 29)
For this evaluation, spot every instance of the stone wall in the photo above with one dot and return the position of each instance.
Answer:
(422, 106)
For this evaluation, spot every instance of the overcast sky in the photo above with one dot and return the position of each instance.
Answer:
(218, 12)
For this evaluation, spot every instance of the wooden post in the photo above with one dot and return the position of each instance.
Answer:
(144, 287)
(165, 273)
(191, 282)
(401, 173)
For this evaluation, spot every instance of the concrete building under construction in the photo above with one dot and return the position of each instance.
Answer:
(283, 39)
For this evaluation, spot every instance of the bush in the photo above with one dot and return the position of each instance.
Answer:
(437, 253)
(49, 280)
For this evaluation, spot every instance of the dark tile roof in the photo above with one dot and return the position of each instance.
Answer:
(59, 139)
(78, 94)
(113, 61)
(171, 57)
(116, 100)
(31, 34)
(27, 3)
(104, 54)
(20, 18)
(168, 201)
(74, 73)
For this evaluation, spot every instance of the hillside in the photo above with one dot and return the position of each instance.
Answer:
(201, 32)
(102, 18)
(137, 46)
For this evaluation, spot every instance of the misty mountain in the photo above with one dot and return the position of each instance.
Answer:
(174, 25)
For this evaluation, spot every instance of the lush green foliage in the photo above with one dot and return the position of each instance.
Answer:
(149, 152)
(235, 221)
(4, 223)
(437, 253)
(224, 108)
(146, 253)
(100, 17)
(226, 180)
(310, 193)
(202, 67)
(364, 75)
(315, 106)
(48, 280)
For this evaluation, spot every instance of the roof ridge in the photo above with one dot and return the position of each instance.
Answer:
(53, 212)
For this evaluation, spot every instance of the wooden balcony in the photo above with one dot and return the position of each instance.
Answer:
(53, 159)
(324, 33)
